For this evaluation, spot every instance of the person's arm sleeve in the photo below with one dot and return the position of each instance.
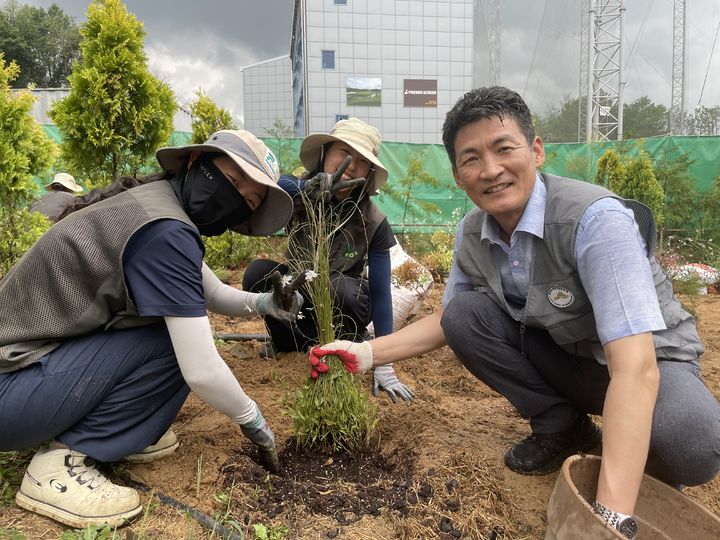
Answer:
(615, 272)
(224, 299)
(457, 280)
(379, 272)
(162, 268)
(383, 238)
(205, 372)
(292, 186)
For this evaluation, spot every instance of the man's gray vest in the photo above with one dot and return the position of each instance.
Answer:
(556, 299)
(349, 245)
(70, 282)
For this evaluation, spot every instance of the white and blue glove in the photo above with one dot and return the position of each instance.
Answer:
(385, 378)
(265, 306)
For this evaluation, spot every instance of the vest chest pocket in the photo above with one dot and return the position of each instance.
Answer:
(563, 309)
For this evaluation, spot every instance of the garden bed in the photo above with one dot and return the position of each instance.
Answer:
(435, 471)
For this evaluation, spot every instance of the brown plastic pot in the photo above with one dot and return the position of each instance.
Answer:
(661, 511)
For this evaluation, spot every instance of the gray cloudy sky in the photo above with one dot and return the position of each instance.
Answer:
(202, 43)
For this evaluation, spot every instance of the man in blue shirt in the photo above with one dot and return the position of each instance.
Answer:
(556, 301)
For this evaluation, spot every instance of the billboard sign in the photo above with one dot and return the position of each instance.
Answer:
(420, 93)
(364, 91)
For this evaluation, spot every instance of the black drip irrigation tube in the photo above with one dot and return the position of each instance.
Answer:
(243, 337)
(202, 518)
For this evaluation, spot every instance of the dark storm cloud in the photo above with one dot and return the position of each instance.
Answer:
(264, 25)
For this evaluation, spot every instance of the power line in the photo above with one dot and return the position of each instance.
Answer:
(639, 33)
(537, 43)
(709, 62)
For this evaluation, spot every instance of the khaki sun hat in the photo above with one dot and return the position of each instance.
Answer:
(257, 161)
(362, 137)
(65, 180)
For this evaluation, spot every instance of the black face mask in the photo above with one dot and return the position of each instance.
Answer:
(210, 200)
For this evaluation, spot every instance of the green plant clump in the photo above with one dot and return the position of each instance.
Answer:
(231, 250)
(263, 532)
(440, 259)
(332, 412)
(11, 534)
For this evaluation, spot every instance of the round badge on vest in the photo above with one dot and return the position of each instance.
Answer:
(560, 296)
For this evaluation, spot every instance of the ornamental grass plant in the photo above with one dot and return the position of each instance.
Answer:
(332, 412)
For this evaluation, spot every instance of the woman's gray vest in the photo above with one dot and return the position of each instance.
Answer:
(349, 245)
(556, 299)
(70, 282)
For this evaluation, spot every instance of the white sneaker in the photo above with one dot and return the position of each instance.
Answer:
(167, 444)
(64, 485)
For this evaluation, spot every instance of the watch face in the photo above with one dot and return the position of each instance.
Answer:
(628, 527)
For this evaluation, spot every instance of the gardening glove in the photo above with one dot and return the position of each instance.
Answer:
(356, 357)
(286, 296)
(259, 433)
(323, 185)
(385, 378)
(265, 305)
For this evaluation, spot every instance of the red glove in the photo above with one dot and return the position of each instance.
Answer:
(356, 357)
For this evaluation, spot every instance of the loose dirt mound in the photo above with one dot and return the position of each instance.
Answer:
(341, 486)
(436, 472)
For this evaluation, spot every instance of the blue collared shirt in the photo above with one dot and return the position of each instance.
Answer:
(612, 264)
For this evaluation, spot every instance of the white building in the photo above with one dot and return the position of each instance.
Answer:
(267, 95)
(44, 98)
(398, 64)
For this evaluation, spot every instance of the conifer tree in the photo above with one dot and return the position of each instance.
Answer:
(639, 183)
(207, 118)
(610, 170)
(632, 178)
(25, 151)
(117, 114)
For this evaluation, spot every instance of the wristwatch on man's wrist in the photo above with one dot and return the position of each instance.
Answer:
(624, 524)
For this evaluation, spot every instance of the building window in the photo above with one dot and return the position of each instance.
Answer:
(328, 59)
(341, 2)
(339, 117)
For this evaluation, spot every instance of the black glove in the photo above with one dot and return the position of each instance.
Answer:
(259, 433)
(286, 296)
(323, 185)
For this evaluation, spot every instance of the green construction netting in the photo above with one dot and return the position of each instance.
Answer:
(430, 208)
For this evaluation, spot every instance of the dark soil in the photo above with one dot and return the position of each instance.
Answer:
(341, 486)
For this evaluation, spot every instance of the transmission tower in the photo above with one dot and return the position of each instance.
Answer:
(605, 72)
(677, 103)
(494, 38)
(584, 58)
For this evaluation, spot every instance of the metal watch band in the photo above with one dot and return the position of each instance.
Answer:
(610, 517)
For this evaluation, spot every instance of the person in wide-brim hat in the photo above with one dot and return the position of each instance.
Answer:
(344, 171)
(64, 182)
(61, 192)
(116, 333)
(362, 137)
(256, 160)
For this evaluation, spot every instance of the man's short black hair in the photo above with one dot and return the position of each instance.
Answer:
(482, 103)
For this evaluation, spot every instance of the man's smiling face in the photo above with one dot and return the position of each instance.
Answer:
(496, 167)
